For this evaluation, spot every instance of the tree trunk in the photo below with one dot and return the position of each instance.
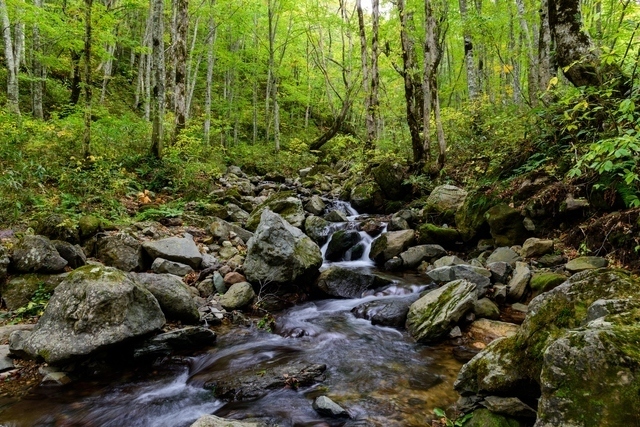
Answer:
(158, 67)
(546, 66)
(37, 87)
(11, 61)
(211, 59)
(532, 77)
(86, 139)
(472, 73)
(374, 103)
(432, 57)
(76, 78)
(108, 67)
(180, 65)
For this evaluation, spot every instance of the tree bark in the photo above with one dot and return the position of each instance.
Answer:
(11, 60)
(211, 59)
(86, 138)
(374, 103)
(180, 65)
(472, 73)
(37, 87)
(546, 62)
(158, 67)
(432, 58)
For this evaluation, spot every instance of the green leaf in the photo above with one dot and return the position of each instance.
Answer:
(439, 412)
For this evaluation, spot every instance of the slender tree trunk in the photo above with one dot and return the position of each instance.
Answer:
(432, 57)
(374, 103)
(546, 67)
(273, 13)
(11, 61)
(76, 79)
(472, 73)
(180, 65)
(37, 87)
(532, 75)
(86, 139)
(158, 66)
(192, 69)
(211, 59)
(108, 68)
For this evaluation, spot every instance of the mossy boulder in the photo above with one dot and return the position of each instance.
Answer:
(577, 350)
(58, 227)
(390, 177)
(469, 217)
(391, 244)
(444, 201)
(341, 245)
(89, 225)
(543, 281)
(36, 254)
(448, 238)
(18, 291)
(486, 418)
(506, 225)
(284, 204)
(367, 197)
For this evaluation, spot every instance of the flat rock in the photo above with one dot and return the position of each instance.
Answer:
(348, 283)
(478, 276)
(414, 256)
(511, 406)
(586, 263)
(327, 407)
(213, 421)
(534, 247)
(504, 254)
(391, 244)
(386, 312)
(172, 294)
(164, 266)
(449, 261)
(487, 330)
(179, 249)
(36, 254)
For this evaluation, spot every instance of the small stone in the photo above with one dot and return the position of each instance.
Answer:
(238, 296)
(503, 254)
(455, 332)
(500, 271)
(534, 247)
(519, 282)
(325, 406)
(336, 216)
(164, 266)
(6, 363)
(499, 293)
(523, 308)
(485, 308)
(233, 278)
(448, 261)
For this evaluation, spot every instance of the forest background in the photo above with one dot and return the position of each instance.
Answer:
(110, 103)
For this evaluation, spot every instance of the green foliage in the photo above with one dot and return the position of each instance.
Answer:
(448, 422)
(34, 308)
(158, 213)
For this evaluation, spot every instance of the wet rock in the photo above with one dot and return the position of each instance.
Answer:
(178, 249)
(372, 227)
(284, 204)
(279, 253)
(237, 296)
(435, 314)
(444, 201)
(93, 309)
(164, 266)
(506, 225)
(476, 275)
(73, 254)
(327, 407)
(185, 339)
(348, 283)
(386, 312)
(519, 282)
(414, 256)
(317, 229)
(336, 215)
(487, 330)
(340, 243)
(394, 264)
(173, 296)
(447, 237)
(391, 244)
(534, 247)
(500, 271)
(449, 261)
(511, 406)
(253, 385)
(36, 254)
(504, 254)
(585, 263)
(213, 421)
(486, 309)
(18, 291)
(315, 205)
(121, 251)
(367, 197)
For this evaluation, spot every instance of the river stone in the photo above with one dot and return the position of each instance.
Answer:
(317, 229)
(284, 204)
(173, 296)
(6, 363)
(73, 254)
(449, 261)
(486, 418)
(397, 224)
(93, 309)
(391, 244)
(348, 283)
(336, 215)
(500, 271)
(221, 230)
(164, 266)
(213, 421)
(551, 260)
(478, 276)
(414, 256)
(506, 225)
(386, 312)
(436, 313)
(487, 330)
(237, 296)
(432, 234)
(315, 205)
(511, 406)
(237, 214)
(185, 339)
(519, 282)
(444, 201)
(504, 254)
(178, 249)
(585, 263)
(341, 241)
(558, 356)
(36, 254)
(487, 309)
(367, 197)
(279, 253)
(327, 407)
(534, 247)
(121, 251)
(543, 281)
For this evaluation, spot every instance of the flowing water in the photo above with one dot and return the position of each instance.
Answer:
(377, 373)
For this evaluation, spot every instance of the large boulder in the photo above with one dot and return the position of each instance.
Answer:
(284, 204)
(506, 225)
(18, 291)
(444, 201)
(477, 275)
(36, 254)
(469, 217)
(173, 296)
(447, 237)
(414, 256)
(121, 251)
(93, 309)
(347, 283)
(391, 244)
(317, 229)
(578, 341)
(178, 249)
(342, 244)
(279, 253)
(435, 314)
(367, 197)
(390, 177)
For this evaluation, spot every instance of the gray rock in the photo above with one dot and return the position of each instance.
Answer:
(6, 363)
(121, 251)
(476, 275)
(500, 271)
(6, 330)
(449, 261)
(237, 296)
(386, 312)
(36, 254)
(522, 308)
(327, 407)
(93, 309)
(586, 263)
(209, 261)
(185, 339)
(279, 253)
(221, 230)
(284, 204)
(53, 377)
(504, 254)
(73, 254)
(511, 406)
(18, 291)
(348, 283)
(237, 214)
(179, 249)
(394, 264)
(315, 205)
(519, 282)
(500, 293)
(445, 200)
(173, 296)
(336, 216)
(317, 229)
(213, 421)
(606, 307)
(218, 283)
(506, 225)
(206, 288)
(414, 256)
(398, 223)
(164, 266)
(534, 247)
(391, 244)
(435, 314)
(551, 260)
(4, 264)
(16, 343)
(340, 244)
(486, 309)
